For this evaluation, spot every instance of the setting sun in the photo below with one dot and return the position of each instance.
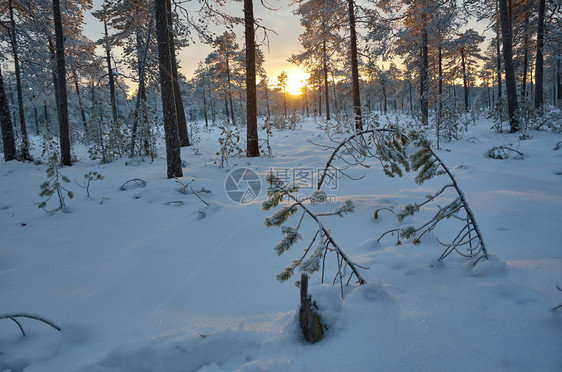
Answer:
(296, 80)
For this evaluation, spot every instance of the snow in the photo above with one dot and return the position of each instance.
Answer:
(150, 279)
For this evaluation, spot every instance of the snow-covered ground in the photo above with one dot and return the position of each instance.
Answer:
(149, 279)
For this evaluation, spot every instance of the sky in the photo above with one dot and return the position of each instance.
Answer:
(283, 41)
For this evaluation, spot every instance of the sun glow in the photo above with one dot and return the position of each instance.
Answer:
(296, 81)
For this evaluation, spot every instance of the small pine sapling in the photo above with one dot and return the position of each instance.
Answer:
(322, 242)
(468, 241)
(268, 134)
(90, 177)
(229, 141)
(54, 185)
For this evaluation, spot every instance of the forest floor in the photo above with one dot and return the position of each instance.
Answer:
(150, 279)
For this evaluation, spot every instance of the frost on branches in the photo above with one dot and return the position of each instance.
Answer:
(322, 242)
(468, 241)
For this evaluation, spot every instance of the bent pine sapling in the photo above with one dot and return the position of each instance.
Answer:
(468, 241)
(322, 242)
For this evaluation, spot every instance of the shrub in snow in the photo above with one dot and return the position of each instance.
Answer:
(504, 152)
(54, 184)
(55, 180)
(230, 146)
(90, 176)
(110, 141)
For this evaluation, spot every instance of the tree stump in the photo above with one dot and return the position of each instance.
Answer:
(311, 325)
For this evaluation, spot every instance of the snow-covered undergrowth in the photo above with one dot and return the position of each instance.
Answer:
(151, 279)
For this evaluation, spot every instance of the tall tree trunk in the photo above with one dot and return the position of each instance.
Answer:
(511, 88)
(326, 86)
(525, 60)
(384, 97)
(539, 68)
(110, 73)
(498, 62)
(62, 108)
(558, 82)
(267, 102)
(173, 150)
(8, 139)
(252, 149)
(464, 80)
(141, 94)
(440, 94)
(354, 67)
(23, 126)
(180, 111)
(80, 103)
(424, 106)
(230, 91)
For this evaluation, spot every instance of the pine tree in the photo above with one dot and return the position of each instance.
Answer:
(173, 151)
(511, 88)
(8, 141)
(252, 149)
(62, 107)
(464, 52)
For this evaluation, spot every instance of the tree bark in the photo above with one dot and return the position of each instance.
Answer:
(23, 126)
(525, 60)
(80, 103)
(110, 73)
(354, 67)
(8, 139)
(539, 64)
(464, 81)
(141, 94)
(180, 111)
(252, 149)
(62, 107)
(424, 106)
(173, 150)
(326, 86)
(511, 88)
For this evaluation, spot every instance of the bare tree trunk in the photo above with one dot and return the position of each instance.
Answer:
(80, 103)
(525, 60)
(62, 107)
(539, 68)
(230, 91)
(180, 111)
(110, 73)
(23, 126)
(252, 149)
(440, 95)
(326, 86)
(141, 94)
(498, 60)
(173, 150)
(511, 88)
(558, 82)
(424, 73)
(464, 81)
(354, 67)
(8, 139)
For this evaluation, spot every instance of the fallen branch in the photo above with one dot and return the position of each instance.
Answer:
(29, 316)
